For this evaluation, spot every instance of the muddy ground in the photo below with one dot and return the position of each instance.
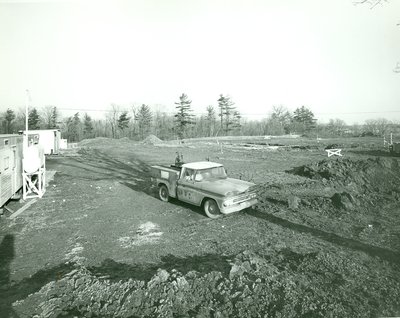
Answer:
(324, 239)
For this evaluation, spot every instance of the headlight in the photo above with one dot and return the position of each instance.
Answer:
(228, 202)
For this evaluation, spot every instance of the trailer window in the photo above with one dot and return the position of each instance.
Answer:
(6, 163)
(15, 158)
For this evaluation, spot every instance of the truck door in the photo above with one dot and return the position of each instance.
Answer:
(187, 190)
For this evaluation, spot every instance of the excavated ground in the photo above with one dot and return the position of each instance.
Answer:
(323, 241)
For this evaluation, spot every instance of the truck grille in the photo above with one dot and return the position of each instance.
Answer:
(244, 197)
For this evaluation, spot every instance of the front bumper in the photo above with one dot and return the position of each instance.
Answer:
(237, 206)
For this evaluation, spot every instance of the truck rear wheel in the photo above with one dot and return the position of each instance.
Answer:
(163, 193)
(211, 209)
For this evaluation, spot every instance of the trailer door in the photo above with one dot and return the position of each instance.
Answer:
(5, 175)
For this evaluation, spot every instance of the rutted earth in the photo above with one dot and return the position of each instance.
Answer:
(323, 241)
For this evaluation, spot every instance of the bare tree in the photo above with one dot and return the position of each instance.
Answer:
(397, 67)
(378, 126)
(112, 119)
(279, 120)
(372, 3)
(336, 126)
(49, 116)
(211, 120)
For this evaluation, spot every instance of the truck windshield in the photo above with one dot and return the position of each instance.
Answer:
(211, 173)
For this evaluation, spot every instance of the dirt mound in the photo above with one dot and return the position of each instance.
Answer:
(152, 140)
(364, 176)
(332, 187)
(98, 141)
(256, 285)
(103, 141)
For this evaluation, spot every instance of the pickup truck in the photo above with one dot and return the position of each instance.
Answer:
(203, 184)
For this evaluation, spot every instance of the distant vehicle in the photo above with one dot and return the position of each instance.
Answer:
(394, 148)
(204, 184)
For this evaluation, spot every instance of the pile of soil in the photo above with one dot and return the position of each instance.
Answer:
(103, 142)
(152, 140)
(273, 285)
(98, 141)
(344, 184)
(367, 176)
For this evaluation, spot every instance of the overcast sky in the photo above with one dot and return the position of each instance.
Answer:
(329, 55)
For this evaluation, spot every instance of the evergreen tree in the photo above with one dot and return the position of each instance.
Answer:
(303, 119)
(87, 126)
(184, 117)
(33, 119)
(53, 118)
(73, 128)
(123, 121)
(144, 119)
(9, 117)
(226, 112)
(236, 124)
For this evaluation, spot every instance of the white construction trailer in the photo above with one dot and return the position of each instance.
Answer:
(48, 139)
(10, 166)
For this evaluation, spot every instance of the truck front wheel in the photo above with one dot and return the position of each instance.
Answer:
(163, 193)
(211, 209)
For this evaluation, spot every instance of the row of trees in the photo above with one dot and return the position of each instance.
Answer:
(140, 121)
(46, 119)
(229, 117)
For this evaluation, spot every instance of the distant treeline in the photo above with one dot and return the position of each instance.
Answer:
(223, 120)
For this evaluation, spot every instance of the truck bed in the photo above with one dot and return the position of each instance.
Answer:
(165, 172)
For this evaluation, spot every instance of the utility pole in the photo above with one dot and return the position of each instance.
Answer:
(27, 101)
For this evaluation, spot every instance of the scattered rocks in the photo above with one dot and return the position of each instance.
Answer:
(294, 202)
(257, 285)
(343, 200)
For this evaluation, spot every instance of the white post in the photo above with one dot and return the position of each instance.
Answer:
(27, 100)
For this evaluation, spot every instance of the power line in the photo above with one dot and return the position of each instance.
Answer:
(244, 114)
(349, 113)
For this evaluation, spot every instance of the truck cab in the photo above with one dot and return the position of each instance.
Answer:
(204, 184)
